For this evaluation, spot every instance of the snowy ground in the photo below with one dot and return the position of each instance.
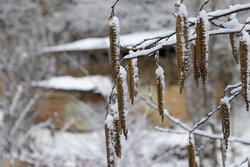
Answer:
(146, 147)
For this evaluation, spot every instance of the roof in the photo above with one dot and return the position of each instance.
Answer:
(97, 83)
(89, 44)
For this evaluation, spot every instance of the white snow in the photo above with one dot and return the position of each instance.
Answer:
(90, 147)
(247, 20)
(96, 83)
(114, 109)
(231, 8)
(238, 89)
(160, 72)
(225, 100)
(182, 10)
(109, 121)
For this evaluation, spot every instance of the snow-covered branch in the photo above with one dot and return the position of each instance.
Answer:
(170, 40)
(156, 43)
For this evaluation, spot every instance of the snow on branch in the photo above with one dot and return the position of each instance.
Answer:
(225, 12)
(170, 39)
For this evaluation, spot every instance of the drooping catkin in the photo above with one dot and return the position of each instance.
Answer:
(117, 129)
(114, 40)
(196, 73)
(232, 36)
(191, 155)
(182, 44)
(233, 47)
(122, 89)
(185, 32)
(179, 48)
(244, 66)
(132, 78)
(202, 45)
(243, 69)
(109, 136)
(225, 119)
(160, 87)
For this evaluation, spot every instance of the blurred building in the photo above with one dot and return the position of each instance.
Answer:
(81, 60)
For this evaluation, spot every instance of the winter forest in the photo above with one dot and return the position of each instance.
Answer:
(124, 83)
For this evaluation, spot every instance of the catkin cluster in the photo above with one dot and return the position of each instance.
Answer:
(115, 121)
(114, 41)
(201, 50)
(243, 69)
(182, 46)
(191, 155)
(225, 121)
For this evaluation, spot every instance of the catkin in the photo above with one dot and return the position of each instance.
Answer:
(196, 73)
(186, 62)
(225, 121)
(121, 101)
(110, 153)
(114, 46)
(117, 129)
(191, 155)
(131, 81)
(179, 48)
(243, 69)
(233, 47)
(201, 49)
(160, 87)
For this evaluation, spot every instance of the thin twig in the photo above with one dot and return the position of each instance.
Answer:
(203, 5)
(197, 131)
(113, 10)
(203, 120)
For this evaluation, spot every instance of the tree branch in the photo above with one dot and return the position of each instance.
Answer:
(196, 131)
